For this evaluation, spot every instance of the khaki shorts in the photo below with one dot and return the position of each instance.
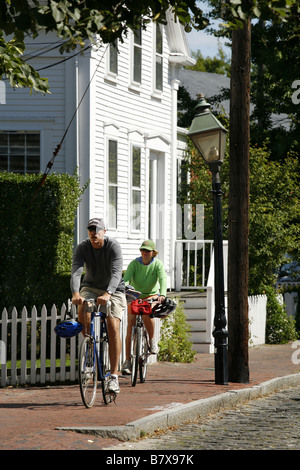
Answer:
(118, 300)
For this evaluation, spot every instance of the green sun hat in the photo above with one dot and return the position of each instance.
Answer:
(148, 245)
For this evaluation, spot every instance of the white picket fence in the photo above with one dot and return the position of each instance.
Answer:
(39, 366)
(48, 358)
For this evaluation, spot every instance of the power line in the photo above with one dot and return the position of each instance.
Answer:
(58, 147)
(46, 49)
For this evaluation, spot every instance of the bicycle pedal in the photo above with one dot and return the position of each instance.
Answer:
(111, 396)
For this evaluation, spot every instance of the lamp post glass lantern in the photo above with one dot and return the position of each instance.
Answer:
(209, 137)
(207, 133)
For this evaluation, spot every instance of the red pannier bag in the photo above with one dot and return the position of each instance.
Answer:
(141, 306)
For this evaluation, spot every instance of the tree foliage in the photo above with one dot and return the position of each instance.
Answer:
(37, 237)
(274, 218)
(78, 21)
(275, 66)
(175, 344)
(218, 64)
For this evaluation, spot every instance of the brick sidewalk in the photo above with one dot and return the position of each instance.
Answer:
(29, 416)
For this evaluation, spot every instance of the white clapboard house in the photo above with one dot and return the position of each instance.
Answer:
(123, 138)
(119, 108)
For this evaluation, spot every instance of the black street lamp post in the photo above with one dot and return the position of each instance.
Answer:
(209, 137)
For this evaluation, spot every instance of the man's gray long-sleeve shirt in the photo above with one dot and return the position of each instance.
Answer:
(103, 267)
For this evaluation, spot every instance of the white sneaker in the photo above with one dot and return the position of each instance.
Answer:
(153, 346)
(126, 369)
(113, 384)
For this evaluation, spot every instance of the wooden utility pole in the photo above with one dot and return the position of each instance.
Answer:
(238, 220)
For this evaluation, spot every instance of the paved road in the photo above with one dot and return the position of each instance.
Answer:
(270, 423)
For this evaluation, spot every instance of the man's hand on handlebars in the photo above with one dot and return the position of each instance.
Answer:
(77, 299)
(161, 298)
(103, 299)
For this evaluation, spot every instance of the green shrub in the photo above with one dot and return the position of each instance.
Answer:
(280, 328)
(174, 345)
(37, 237)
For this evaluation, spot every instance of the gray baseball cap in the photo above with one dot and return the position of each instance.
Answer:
(97, 223)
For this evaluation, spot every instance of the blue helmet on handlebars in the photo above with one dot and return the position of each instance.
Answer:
(68, 328)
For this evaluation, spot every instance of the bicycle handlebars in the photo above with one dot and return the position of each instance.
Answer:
(99, 308)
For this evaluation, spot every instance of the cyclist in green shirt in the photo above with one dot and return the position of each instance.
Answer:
(147, 275)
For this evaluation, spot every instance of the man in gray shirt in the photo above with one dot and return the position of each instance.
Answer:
(102, 258)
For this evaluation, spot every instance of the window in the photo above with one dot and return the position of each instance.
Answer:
(113, 58)
(20, 151)
(158, 85)
(136, 189)
(112, 183)
(137, 56)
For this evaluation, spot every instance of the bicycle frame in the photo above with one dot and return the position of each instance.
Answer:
(103, 337)
(94, 348)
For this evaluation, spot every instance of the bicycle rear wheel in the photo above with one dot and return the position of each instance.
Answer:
(143, 361)
(135, 344)
(87, 372)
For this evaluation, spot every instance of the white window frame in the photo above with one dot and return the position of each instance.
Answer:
(42, 125)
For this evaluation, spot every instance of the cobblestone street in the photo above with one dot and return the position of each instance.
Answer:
(270, 423)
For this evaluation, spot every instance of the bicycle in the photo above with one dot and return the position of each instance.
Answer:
(140, 345)
(94, 357)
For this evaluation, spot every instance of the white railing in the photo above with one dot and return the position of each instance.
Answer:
(257, 314)
(35, 355)
(192, 262)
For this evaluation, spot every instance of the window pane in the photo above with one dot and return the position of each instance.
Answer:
(3, 162)
(113, 58)
(159, 44)
(112, 211)
(17, 164)
(17, 144)
(136, 167)
(137, 66)
(136, 211)
(138, 36)
(112, 164)
(33, 144)
(3, 143)
(159, 69)
(33, 164)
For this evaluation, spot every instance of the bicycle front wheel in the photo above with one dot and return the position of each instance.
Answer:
(87, 372)
(143, 361)
(135, 354)
(104, 358)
